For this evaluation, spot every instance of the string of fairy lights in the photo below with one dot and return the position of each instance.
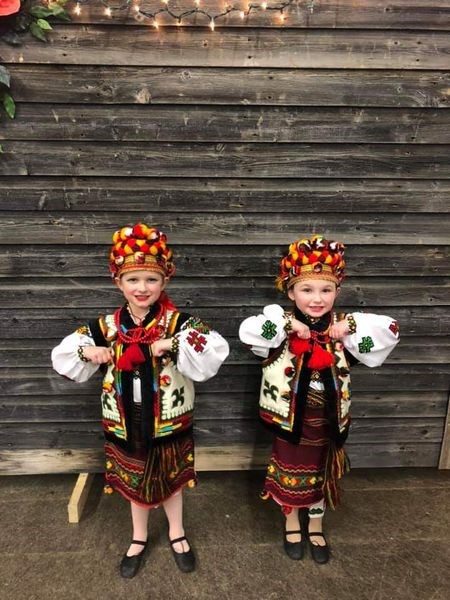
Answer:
(179, 17)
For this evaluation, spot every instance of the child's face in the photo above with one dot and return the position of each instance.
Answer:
(314, 297)
(141, 289)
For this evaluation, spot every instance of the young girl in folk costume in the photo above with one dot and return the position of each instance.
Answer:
(150, 353)
(305, 391)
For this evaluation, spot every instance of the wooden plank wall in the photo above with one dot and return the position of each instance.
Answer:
(234, 142)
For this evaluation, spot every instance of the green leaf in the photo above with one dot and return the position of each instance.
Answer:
(44, 25)
(10, 105)
(37, 32)
(4, 76)
(40, 12)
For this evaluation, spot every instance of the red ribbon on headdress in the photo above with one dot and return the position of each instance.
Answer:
(319, 359)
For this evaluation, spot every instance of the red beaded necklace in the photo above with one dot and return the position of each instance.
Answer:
(142, 335)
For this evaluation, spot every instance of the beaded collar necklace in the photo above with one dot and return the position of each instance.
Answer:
(141, 334)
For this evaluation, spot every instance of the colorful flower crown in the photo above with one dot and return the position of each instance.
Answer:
(310, 258)
(140, 247)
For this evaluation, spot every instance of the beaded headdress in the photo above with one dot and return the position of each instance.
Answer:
(140, 247)
(311, 258)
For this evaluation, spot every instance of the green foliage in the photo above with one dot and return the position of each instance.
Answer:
(37, 18)
(9, 105)
(6, 100)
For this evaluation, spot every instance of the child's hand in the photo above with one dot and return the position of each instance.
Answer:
(339, 330)
(301, 329)
(98, 354)
(161, 347)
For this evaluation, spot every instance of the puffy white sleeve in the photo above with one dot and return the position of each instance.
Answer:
(201, 350)
(374, 339)
(265, 331)
(66, 361)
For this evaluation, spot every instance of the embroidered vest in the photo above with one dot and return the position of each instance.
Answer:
(173, 394)
(280, 402)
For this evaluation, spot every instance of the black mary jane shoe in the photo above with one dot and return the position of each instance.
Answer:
(130, 565)
(320, 554)
(295, 550)
(185, 560)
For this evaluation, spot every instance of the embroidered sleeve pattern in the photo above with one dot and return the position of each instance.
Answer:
(374, 338)
(265, 331)
(68, 358)
(201, 350)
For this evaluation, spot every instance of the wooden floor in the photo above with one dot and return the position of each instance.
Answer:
(390, 540)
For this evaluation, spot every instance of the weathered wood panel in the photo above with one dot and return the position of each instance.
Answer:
(340, 128)
(302, 48)
(42, 261)
(366, 14)
(226, 160)
(241, 196)
(76, 293)
(190, 85)
(228, 124)
(232, 229)
(243, 456)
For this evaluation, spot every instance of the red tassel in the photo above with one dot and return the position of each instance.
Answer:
(298, 346)
(320, 358)
(130, 358)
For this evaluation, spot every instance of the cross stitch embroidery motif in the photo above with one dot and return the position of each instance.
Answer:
(394, 328)
(366, 344)
(269, 330)
(197, 341)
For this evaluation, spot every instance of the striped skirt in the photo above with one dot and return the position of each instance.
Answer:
(148, 477)
(296, 472)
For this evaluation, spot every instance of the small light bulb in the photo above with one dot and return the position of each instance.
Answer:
(155, 24)
(264, 5)
(179, 23)
(242, 14)
(77, 9)
(282, 17)
(212, 25)
(108, 11)
(197, 2)
(137, 8)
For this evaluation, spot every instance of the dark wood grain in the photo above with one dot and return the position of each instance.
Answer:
(191, 261)
(77, 293)
(223, 195)
(231, 229)
(281, 48)
(235, 143)
(227, 124)
(333, 14)
(124, 84)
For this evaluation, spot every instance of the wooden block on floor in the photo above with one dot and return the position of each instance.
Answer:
(79, 496)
